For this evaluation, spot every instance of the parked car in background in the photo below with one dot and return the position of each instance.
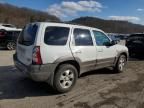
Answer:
(8, 38)
(58, 53)
(117, 36)
(122, 36)
(114, 37)
(135, 44)
(9, 27)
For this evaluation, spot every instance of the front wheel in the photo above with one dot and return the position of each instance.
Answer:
(65, 78)
(120, 65)
(11, 45)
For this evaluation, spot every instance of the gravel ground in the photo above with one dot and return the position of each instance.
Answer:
(95, 89)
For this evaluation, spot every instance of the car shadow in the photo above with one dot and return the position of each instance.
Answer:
(99, 72)
(15, 85)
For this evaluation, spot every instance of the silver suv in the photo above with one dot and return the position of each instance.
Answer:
(58, 53)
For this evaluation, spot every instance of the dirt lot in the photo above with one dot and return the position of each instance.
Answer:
(97, 89)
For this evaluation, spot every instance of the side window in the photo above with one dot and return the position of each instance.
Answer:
(82, 37)
(101, 38)
(56, 35)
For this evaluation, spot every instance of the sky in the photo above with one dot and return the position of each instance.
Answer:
(127, 10)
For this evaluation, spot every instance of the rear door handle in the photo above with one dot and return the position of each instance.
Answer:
(78, 52)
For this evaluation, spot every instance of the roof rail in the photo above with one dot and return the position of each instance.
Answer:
(76, 24)
(67, 22)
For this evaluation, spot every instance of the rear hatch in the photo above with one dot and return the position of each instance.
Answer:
(25, 43)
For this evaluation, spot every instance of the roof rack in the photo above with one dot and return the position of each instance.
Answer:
(73, 23)
(67, 22)
(77, 24)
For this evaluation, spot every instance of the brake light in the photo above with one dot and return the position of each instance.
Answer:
(36, 59)
(2, 33)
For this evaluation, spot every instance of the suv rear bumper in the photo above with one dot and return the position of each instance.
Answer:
(36, 72)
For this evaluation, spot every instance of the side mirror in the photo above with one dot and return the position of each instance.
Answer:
(107, 44)
(113, 42)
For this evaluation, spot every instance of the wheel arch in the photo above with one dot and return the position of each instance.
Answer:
(119, 54)
(72, 62)
(125, 54)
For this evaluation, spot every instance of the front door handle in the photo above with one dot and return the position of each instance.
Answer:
(100, 50)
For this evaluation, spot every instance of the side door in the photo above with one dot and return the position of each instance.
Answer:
(83, 48)
(106, 53)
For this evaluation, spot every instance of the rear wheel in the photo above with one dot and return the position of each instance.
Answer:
(65, 78)
(120, 66)
(11, 45)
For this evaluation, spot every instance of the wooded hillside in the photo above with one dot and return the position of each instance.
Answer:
(110, 26)
(21, 16)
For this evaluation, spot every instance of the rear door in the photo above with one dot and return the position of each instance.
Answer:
(25, 43)
(83, 48)
(55, 43)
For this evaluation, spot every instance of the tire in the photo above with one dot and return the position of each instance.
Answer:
(65, 78)
(11, 45)
(120, 65)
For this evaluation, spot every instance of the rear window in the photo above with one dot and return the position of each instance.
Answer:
(27, 36)
(8, 25)
(56, 35)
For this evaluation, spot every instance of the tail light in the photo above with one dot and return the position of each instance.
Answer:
(2, 33)
(36, 59)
